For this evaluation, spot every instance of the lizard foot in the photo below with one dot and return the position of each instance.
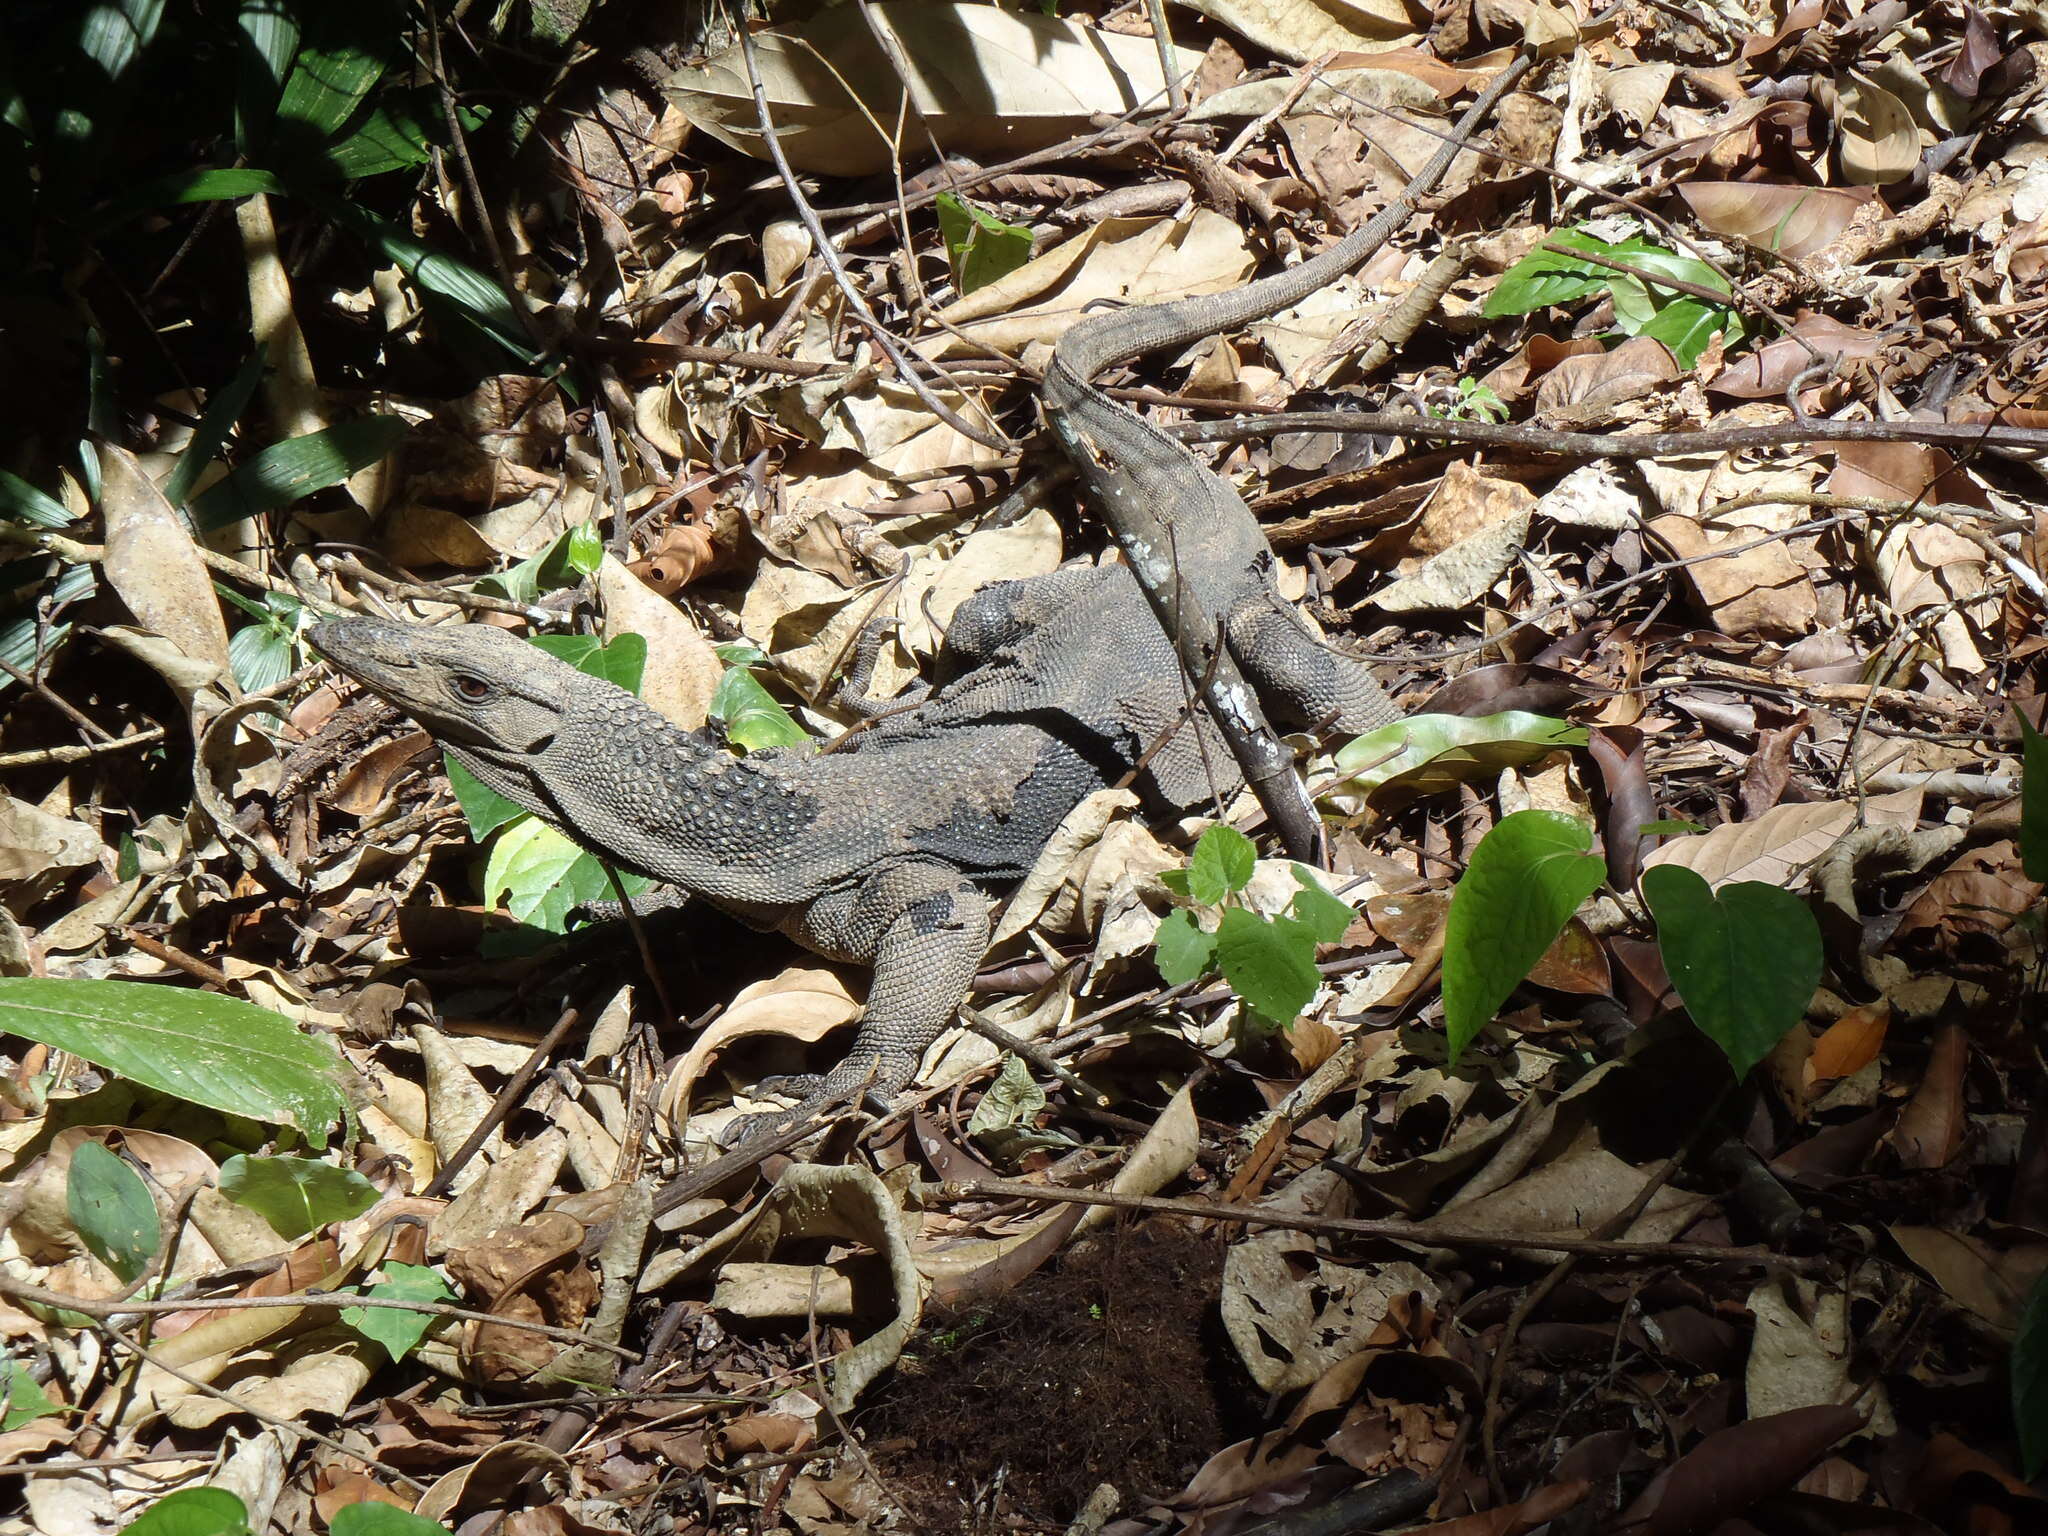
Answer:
(874, 1079)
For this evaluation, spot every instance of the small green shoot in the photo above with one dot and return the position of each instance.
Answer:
(1475, 402)
(1269, 962)
(22, 1399)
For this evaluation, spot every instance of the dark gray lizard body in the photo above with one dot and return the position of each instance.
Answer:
(886, 853)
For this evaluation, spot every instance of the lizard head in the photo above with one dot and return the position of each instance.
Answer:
(493, 700)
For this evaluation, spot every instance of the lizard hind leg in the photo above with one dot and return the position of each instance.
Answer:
(1299, 676)
(924, 927)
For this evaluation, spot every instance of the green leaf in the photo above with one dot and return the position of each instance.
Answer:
(324, 89)
(399, 1332)
(1688, 326)
(218, 1051)
(1326, 917)
(403, 129)
(571, 556)
(1525, 880)
(296, 467)
(2030, 1381)
(1542, 279)
(2033, 801)
(269, 37)
(621, 661)
(1271, 964)
(375, 1518)
(482, 807)
(222, 411)
(543, 877)
(260, 656)
(981, 246)
(25, 504)
(1183, 951)
(296, 1195)
(112, 1209)
(1221, 865)
(752, 716)
(1744, 960)
(1427, 754)
(24, 1400)
(193, 1512)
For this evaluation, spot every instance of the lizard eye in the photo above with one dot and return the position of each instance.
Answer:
(474, 689)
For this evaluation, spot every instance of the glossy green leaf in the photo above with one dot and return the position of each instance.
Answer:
(23, 1400)
(296, 1195)
(1427, 754)
(1525, 880)
(403, 129)
(981, 246)
(752, 716)
(375, 1518)
(193, 1512)
(575, 554)
(112, 1210)
(400, 1332)
(2030, 1381)
(543, 877)
(284, 472)
(1744, 959)
(1270, 963)
(2033, 801)
(1221, 865)
(218, 1051)
(260, 656)
(1183, 950)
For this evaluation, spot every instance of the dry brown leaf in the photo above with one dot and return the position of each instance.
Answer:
(1878, 141)
(1849, 1044)
(1931, 1127)
(1300, 30)
(1763, 593)
(1776, 848)
(1795, 221)
(803, 1003)
(154, 564)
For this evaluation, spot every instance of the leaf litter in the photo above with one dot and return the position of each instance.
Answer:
(1795, 671)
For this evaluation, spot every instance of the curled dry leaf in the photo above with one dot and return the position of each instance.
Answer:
(676, 559)
(1931, 1127)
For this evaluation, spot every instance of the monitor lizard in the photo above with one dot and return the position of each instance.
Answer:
(888, 853)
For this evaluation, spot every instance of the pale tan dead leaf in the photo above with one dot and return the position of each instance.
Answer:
(1080, 828)
(983, 81)
(419, 535)
(484, 1481)
(456, 1105)
(1795, 221)
(153, 563)
(1384, 84)
(366, 781)
(803, 1003)
(1129, 261)
(1289, 1330)
(682, 669)
(1634, 92)
(510, 1189)
(1572, 1196)
(1776, 848)
(1762, 593)
(33, 842)
(301, 1381)
(934, 589)
(761, 1291)
(1459, 575)
(1300, 30)
(1767, 372)
(1466, 501)
(1800, 1351)
(1879, 143)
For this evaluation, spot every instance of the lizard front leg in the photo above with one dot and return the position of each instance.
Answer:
(924, 927)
